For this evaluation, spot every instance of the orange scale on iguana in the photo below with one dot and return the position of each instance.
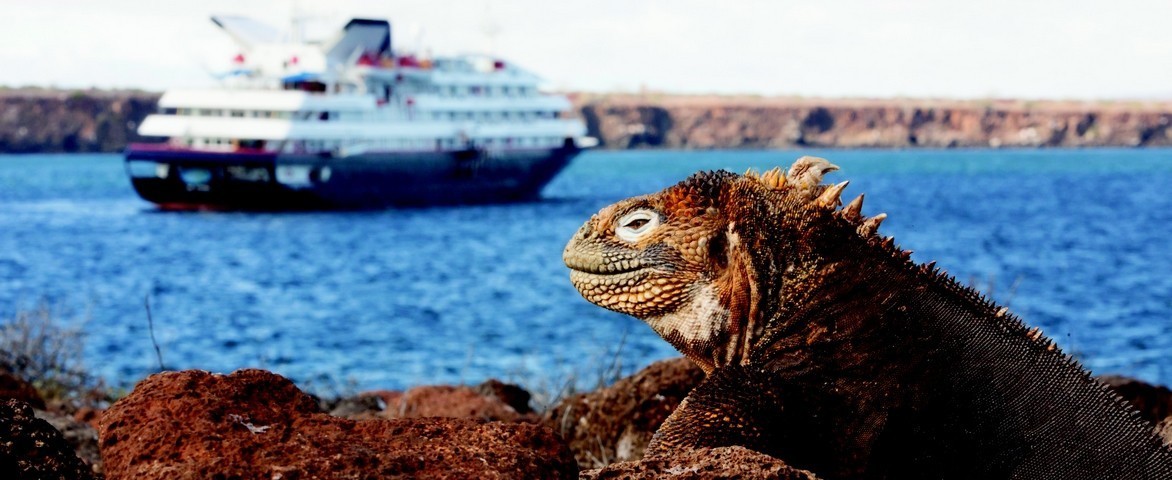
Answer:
(826, 346)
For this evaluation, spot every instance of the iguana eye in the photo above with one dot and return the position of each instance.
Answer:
(636, 225)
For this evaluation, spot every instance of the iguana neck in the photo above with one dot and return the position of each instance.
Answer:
(832, 308)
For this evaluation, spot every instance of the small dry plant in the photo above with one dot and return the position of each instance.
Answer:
(35, 346)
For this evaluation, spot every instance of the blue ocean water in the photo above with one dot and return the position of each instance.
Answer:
(1078, 242)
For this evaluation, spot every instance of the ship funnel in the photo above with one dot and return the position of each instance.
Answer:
(365, 37)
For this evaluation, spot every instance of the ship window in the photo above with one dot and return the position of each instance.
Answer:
(237, 113)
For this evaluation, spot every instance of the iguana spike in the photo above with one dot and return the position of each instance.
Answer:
(808, 171)
(853, 211)
(1034, 334)
(751, 173)
(870, 225)
(831, 197)
(773, 178)
(888, 242)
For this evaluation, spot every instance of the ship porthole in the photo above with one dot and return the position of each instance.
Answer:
(324, 174)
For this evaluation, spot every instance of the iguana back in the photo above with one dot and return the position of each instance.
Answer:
(827, 347)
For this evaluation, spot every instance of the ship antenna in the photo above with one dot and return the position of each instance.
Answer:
(295, 22)
(491, 29)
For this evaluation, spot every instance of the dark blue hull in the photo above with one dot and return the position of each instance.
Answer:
(186, 179)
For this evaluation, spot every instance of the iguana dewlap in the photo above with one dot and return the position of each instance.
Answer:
(826, 346)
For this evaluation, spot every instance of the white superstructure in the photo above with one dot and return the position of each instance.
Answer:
(353, 94)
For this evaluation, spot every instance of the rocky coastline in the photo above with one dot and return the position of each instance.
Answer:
(51, 121)
(253, 424)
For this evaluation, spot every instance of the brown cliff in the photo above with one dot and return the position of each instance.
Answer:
(698, 122)
(43, 121)
(53, 121)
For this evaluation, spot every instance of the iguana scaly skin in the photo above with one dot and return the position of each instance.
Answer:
(826, 346)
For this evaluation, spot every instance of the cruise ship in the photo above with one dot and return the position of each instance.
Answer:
(350, 123)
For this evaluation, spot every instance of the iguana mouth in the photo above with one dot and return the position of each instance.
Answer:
(607, 269)
(602, 265)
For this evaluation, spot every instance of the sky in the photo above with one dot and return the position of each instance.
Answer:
(1070, 49)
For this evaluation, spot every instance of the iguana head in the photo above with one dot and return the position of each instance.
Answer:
(703, 260)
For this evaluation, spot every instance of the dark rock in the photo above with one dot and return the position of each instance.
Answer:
(32, 448)
(253, 424)
(512, 395)
(615, 424)
(81, 437)
(704, 463)
(1154, 402)
(359, 407)
(14, 387)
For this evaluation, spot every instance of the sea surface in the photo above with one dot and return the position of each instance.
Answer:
(1078, 242)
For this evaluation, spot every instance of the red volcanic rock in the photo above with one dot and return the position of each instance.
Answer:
(704, 463)
(32, 448)
(88, 415)
(14, 387)
(616, 423)
(492, 400)
(253, 424)
(450, 401)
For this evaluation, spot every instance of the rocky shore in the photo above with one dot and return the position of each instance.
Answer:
(64, 121)
(46, 121)
(698, 122)
(253, 424)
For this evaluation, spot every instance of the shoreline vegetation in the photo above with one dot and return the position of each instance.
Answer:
(46, 120)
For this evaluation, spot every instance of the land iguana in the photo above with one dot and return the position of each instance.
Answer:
(825, 345)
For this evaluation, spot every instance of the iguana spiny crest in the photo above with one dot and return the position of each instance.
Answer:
(686, 260)
(825, 345)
